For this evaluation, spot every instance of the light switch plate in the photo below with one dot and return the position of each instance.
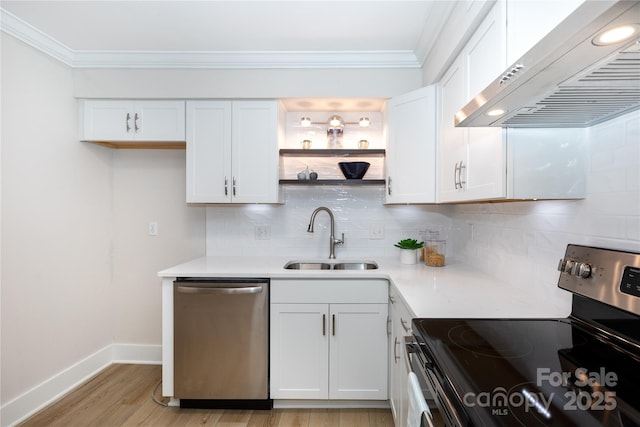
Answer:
(376, 231)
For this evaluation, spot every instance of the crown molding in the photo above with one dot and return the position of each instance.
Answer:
(32, 36)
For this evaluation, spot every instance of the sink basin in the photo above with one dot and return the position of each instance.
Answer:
(300, 265)
(319, 265)
(355, 266)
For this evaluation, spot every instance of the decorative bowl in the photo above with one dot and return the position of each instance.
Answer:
(354, 170)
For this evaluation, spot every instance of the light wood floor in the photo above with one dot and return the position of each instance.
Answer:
(121, 396)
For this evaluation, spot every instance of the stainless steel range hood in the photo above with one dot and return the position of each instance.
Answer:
(566, 80)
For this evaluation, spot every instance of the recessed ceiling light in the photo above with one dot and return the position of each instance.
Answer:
(615, 35)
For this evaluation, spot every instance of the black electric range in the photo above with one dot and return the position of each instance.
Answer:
(578, 371)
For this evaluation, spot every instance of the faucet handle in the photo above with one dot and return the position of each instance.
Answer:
(339, 241)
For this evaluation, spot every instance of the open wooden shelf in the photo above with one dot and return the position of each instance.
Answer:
(331, 152)
(332, 181)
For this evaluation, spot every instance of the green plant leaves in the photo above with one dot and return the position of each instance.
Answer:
(409, 244)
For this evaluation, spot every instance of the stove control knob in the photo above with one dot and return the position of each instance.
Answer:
(582, 269)
(567, 266)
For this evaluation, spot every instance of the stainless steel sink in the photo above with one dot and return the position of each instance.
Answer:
(355, 266)
(319, 265)
(303, 265)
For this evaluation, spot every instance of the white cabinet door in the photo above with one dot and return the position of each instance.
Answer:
(208, 151)
(299, 351)
(411, 147)
(159, 120)
(399, 371)
(129, 120)
(452, 150)
(485, 58)
(254, 154)
(232, 152)
(528, 21)
(329, 339)
(472, 161)
(358, 351)
(107, 120)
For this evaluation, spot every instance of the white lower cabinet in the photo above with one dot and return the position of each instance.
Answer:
(399, 369)
(329, 339)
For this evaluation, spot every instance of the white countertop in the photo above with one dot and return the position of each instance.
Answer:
(454, 290)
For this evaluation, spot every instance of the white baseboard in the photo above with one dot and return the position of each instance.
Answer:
(137, 353)
(60, 384)
(313, 404)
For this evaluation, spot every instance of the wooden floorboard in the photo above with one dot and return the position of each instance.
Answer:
(121, 396)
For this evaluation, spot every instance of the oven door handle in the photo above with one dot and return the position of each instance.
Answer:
(411, 346)
(426, 419)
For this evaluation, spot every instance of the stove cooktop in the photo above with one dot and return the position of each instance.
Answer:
(580, 371)
(533, 372)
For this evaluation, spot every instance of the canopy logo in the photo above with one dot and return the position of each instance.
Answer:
(582, 390)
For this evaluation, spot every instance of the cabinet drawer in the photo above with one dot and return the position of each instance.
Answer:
(356, 291)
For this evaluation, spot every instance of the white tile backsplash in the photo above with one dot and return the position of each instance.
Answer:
(523, 241)
(520, 241)
(231, 229)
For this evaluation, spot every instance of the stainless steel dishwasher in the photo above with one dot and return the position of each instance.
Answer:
(221, 343)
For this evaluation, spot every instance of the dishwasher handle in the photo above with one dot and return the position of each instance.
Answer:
(219, 290)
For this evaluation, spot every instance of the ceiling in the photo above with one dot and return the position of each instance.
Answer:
(230, 34)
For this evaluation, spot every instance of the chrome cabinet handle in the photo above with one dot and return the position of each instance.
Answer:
(462, 168)
(136, 118)
(389, 185)
(395, 350)
(213, 290)
(324, 325)
(456, 172)
(405, 325)
(126, 122)
(333, 325)
(233, 185)
(226, 186)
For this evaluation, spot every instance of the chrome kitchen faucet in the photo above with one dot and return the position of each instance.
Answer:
(332, 239)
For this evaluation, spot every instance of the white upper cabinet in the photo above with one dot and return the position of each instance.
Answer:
(411, 147)
(232, 151)
(490, 163)
(129, 120)
(472, 160)
(528, 21)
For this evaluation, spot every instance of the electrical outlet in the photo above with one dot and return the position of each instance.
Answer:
(153, 228)
(263, 232)
(376, 231)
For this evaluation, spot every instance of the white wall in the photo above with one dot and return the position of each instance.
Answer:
(79, 271)
(524, 241)
(149, 186)
(279, 83)
(56, 225)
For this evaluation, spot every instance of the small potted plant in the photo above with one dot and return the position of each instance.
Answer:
(409, 250)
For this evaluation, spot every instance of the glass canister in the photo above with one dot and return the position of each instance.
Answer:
(434, 250)
(335, 131)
